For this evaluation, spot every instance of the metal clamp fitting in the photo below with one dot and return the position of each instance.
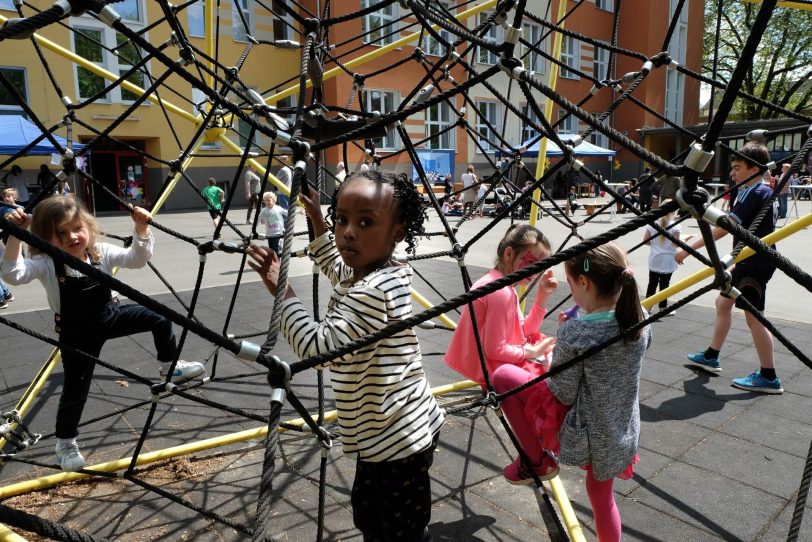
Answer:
(512, 35)
(712, 215)
(248, 351)
(109, 16)
(757, 135)
(698, 158)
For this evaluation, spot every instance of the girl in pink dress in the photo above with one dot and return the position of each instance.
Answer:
(507, 336)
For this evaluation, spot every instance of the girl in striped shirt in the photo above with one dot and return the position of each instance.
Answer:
(387, 416)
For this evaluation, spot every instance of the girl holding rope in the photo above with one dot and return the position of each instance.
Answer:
(87, 312)
(507, 337)
(587, 413)
(387, 417)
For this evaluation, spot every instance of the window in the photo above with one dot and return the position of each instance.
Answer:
(282, 23)
(607, 5)
(570, 123)
(129, 55)
(130, 10)
(484, 56)
(601, 63)
(569, 57)
(289, 103)
(8, 5)
(199, 107)
(240, 30)
(87, 43)
(430, 45)
(601, 140)
(528, 131)
(532, 34)
(379, 28)
(8, 103)
(438, 118)
(487, 131)
(196, 14)
(383, 101)
(675, 81)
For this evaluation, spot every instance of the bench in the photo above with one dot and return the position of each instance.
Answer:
(593, 205)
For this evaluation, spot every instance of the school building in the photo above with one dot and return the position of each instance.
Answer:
(83, 55)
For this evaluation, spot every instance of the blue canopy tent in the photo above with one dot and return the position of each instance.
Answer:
(16, 133)
(583, 149)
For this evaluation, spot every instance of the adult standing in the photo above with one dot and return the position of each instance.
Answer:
(285, 176)
(253, 184)
(469, 192)
(44, 176)
(666, 188)
(14, 179)
(784, 193)
(341, 174)
(644, 190)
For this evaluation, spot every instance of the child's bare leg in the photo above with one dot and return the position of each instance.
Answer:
(724, 317)
(763, 341)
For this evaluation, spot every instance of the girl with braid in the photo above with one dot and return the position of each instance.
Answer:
(587, 413)
(388, 418)
(87, 312)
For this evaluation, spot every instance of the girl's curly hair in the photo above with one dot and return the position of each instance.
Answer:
(408, 201)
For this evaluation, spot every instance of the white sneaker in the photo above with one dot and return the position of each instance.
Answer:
(184, 370)
(70, 458)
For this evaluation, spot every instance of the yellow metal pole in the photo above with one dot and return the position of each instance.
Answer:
(176, 178)
(787, 4)
(175, 451)
(36, 386)
(567, 513)
(90, 66)
(259, 167)
(777, 235)
(363, 59)
(7, 535)
(427, 305)
(541, 164)
(208, 18)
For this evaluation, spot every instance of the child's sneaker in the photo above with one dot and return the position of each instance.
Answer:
(9, 297)
(757, 383)
(70, 458)
(3, 304)
(710, 365)
(517, 474)
(184, 370)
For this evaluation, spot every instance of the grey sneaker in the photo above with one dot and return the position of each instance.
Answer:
(184, 370)
(70, 458)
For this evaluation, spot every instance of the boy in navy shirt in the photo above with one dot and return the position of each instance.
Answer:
(750, 276)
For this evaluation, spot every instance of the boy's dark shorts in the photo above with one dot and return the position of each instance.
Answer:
(213, 214)
(752, 283)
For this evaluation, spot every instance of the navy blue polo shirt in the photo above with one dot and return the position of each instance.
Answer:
(748, 204)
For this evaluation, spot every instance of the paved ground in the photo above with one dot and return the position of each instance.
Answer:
(716, 463)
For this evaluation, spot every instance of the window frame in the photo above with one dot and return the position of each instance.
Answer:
(496, 33)
(440, 125)
(236, 22)
(283, 23)
(603, 64)
(11, 109)
(605, 5)
(569, 58)
(429, 45)
(8, 5)
(390, 141)
(531, 63)
(527, 131)
(193, 8)
(566, 127)
(488, 142)
(386, 26)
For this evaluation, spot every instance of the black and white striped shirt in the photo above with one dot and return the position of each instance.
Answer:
(385, 407)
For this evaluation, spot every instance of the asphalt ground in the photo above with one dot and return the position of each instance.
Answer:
(716, 463)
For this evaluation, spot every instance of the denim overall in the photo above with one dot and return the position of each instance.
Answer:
(89, 316)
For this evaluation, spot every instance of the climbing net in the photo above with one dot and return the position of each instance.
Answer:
(229, 100)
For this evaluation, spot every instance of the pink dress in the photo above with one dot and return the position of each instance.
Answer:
(502, 329)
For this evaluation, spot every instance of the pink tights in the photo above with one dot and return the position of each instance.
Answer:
(602, 499)
(601, 496)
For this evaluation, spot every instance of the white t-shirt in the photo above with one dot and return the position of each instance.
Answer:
(661, 258)
(468, 179)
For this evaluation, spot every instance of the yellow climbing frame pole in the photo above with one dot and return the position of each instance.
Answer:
(687, 282)
(787, 4)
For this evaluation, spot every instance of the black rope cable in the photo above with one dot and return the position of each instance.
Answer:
(43, 527)
(800, 500)
(498, 284)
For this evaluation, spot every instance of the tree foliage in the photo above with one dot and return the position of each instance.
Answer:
(781, 70)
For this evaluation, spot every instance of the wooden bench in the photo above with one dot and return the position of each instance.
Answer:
(593, 205)
(436, 189)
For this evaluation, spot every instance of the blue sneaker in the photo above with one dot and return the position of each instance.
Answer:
(710, 365)
(757, 383)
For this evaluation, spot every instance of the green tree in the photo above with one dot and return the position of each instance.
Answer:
(781, 70)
